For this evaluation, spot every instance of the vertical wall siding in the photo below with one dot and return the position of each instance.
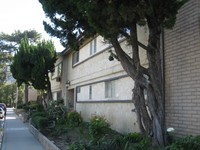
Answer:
(182, 71)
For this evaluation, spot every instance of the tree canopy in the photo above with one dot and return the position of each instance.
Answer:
(72, 19)
(9, 44)
(32, 63)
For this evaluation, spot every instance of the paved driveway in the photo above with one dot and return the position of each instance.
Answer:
(17, 135)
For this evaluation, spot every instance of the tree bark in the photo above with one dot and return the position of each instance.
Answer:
(150, 108)
(49, 93)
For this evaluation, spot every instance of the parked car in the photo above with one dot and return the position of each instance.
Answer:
(3, 106)
(2, 113)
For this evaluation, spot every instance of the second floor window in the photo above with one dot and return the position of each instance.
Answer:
(93, 46)
(75, 58)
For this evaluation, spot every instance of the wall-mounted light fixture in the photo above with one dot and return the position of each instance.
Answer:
(67, 83)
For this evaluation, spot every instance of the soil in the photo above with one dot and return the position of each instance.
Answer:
(68, 136)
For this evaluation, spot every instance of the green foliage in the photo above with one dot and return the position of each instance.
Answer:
(78, 146)
(7, 93)
(136, 141)
(74, 119)
(32, 63)
(81, 20)
(186, 143)
(132, 141)
(57, 110)
(98, 127)
(40, 120)
(59, 129)
(33, 105)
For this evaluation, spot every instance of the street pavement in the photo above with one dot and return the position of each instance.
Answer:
(17, 135)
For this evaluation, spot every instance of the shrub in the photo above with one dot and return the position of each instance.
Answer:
(57, 110)
(43, 114)
(136, 141)
(78, 146)
(19, 106)
(40, 120)
(74, 119)
(98, 127)
(186, 143)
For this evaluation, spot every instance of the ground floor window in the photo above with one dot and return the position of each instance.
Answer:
(107, 90)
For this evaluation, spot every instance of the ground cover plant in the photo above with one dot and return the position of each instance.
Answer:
(72, 133)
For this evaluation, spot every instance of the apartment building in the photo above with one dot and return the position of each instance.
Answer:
(92, 85)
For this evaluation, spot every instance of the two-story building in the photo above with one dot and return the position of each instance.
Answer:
(92, 85)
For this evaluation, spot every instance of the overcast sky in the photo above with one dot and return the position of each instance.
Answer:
(24, 15)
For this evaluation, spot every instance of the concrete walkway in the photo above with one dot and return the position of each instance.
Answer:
(17, 135)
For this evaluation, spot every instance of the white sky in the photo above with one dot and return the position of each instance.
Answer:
(24, 15)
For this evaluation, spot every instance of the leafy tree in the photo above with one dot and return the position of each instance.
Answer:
(72, 19)
(9, 44)
(32, 63)
(8, 94)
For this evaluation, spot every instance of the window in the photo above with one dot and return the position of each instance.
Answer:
(93, 46)
(109, 89)
(75, 58)
(90, 92)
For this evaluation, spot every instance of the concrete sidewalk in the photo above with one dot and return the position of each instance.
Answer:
(17, 135)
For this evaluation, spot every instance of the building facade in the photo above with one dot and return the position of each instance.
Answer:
(92, 85)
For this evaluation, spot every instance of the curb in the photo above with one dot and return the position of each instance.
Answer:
(2, 133)
(46, 143)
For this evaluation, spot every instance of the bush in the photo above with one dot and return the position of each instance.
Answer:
(78, 146)
(57, 110)
(40, 120)
(136, 141)
(98, 127)
(74, 119)
(186, 143)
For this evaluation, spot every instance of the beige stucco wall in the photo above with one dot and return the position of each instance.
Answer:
(122, 91)
(32, 94)
(119, 115)
(182, 73)
(56, 85)
(94, 70)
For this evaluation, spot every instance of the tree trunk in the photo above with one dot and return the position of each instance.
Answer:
(147, 92)
(49, 93)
